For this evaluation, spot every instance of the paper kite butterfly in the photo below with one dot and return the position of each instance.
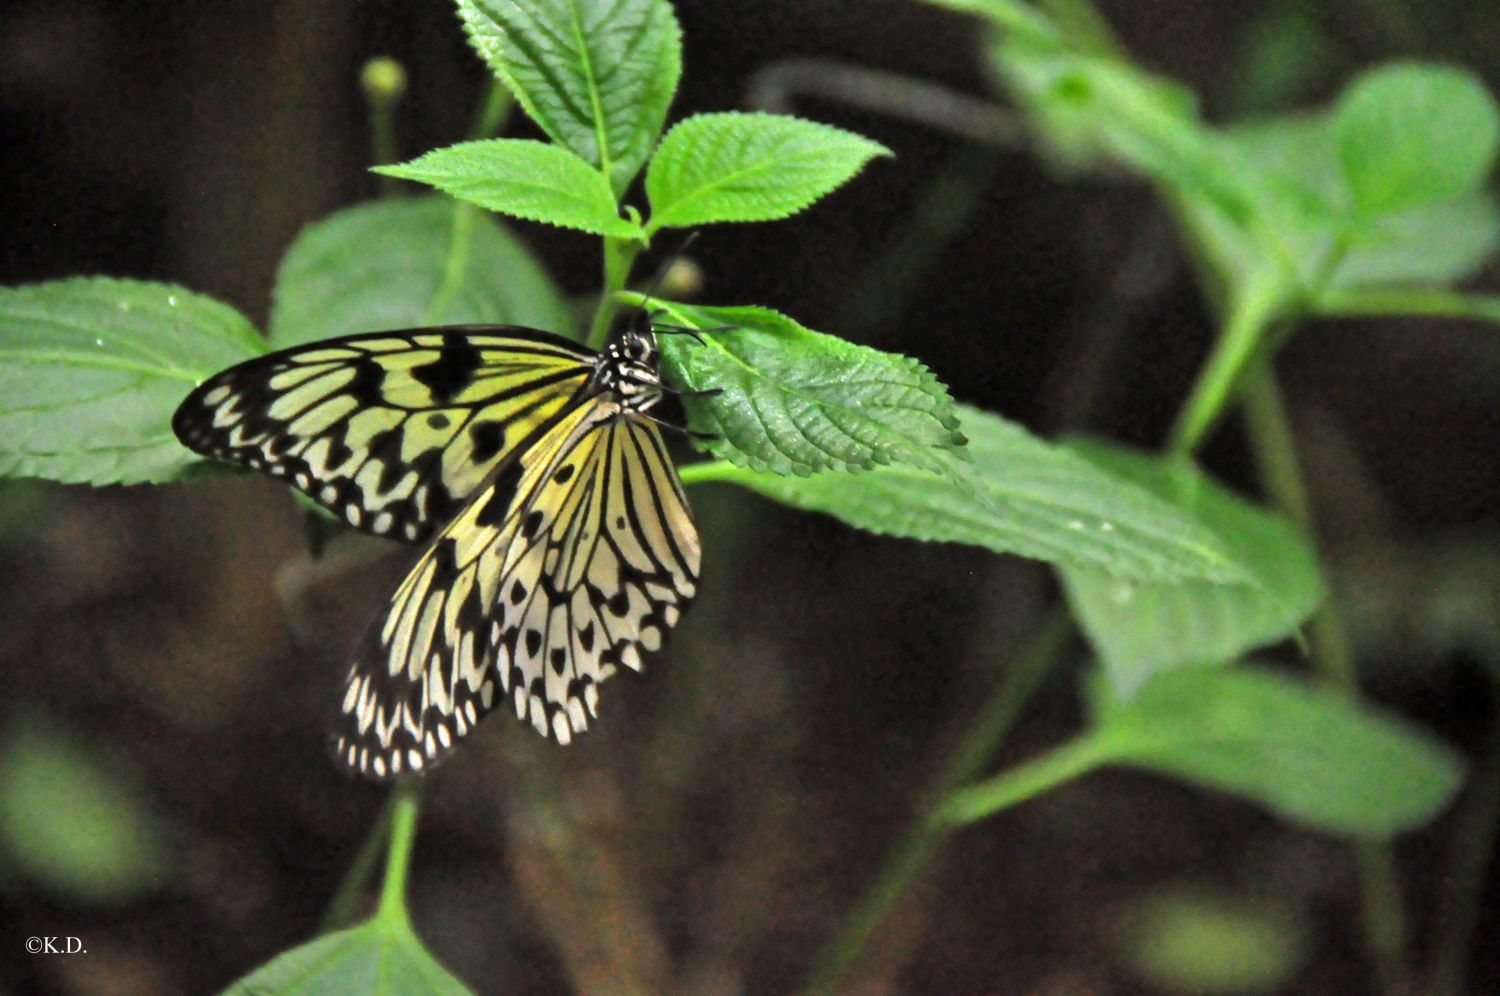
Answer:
(560, 544)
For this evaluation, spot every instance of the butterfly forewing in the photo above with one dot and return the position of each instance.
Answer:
(390, 431)
(566, 545)
(577, 554)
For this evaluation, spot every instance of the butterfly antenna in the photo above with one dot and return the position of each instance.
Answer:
(661, 274)
(654, 314)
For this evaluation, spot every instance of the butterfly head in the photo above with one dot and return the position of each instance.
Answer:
(630, 365)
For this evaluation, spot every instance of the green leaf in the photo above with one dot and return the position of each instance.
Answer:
(794, 401)
(523, 178)
(1088, 105)
(70, 822)
(1411, 134)
(749, 167)
(1285, 52)
(1310, 754)
(381, 957)
(1141, 628)
(596, 75)
(91, 370)
(1305, 201)
(383, 265)
(1009, 15)
(1019, 495)
(23, 503)
(1437, 243)
(1206, 940)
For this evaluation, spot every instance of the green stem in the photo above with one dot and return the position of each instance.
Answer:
(492, 113)
(455, 266)
(1083, 25)
(1275, 448)
(708, 470)
(619, 256)
(1250, 312)
(977, 746)
(1439, 302)
(1473, 852)
(1271, 440)
(384, 82)
(1025, 781)
(350, 894)
(404, 806)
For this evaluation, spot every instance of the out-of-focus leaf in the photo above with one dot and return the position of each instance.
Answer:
(1312, 755)
(1141, 628)
(1411, 134)
(22, 502)
(70, 822)
(1309, 753)
(1195, 940)
(1436, 243)
(381, 265)
(1019, 495)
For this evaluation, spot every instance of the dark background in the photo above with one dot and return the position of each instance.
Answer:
(731, 806)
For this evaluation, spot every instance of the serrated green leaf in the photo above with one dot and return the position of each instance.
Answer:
(749, 167)
(794, 401)
(1022, 496)
(92, 368)
(596, 75)
(68, 821)
(1308, 753)
(376, 958)
(380, 266)
(1142, 628)
(1411, 134)
(525, 179)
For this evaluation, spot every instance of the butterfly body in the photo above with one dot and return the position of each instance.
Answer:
(561, 544)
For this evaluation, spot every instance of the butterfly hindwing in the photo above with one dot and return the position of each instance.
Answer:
(390, 431)
(578, 553)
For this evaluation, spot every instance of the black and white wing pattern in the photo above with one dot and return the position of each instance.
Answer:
(575, 556)
(390, 431)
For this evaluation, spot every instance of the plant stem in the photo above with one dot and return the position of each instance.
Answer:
(350, 893)
(619, 256)
(1270, 435)
(1085, 27)
(455, 265)
(1250, 312)
(1412, 301)
(405, 802)
(491, 114)
(384, 82)
(978, 744)
(707, 470)
(1024, 781)
(1472, 854)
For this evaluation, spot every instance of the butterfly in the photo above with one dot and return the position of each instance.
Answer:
(560, 545)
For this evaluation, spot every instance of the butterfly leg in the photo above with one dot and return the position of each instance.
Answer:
(707, 437)
(707, 392)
